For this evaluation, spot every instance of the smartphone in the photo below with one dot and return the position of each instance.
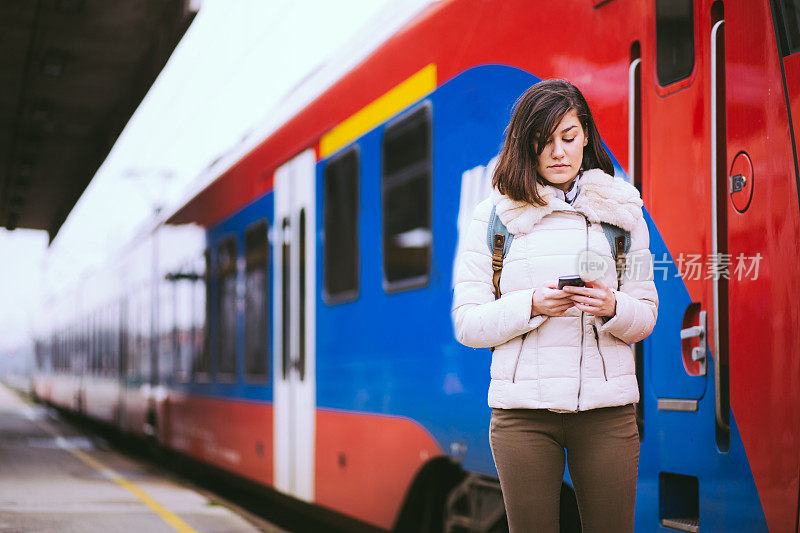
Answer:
(575, 281)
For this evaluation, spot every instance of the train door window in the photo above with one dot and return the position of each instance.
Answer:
(256, 304)
(674, 40)
(226, 308)
(341, 228)
(787, 25)
(406, 198)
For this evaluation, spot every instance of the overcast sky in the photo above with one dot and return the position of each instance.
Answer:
(235, 63)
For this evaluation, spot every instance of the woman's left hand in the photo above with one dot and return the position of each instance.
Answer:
(596, 298)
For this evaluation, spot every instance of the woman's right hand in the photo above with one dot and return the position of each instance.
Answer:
(548, 299)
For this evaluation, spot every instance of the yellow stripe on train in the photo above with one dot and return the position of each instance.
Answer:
(398, 97)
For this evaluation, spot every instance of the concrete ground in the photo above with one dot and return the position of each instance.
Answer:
(55, 477)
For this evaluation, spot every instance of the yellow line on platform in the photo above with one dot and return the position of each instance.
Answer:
(165, 514)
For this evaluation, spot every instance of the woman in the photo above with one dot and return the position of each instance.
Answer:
(563, 374)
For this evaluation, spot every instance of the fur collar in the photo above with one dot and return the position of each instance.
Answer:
(601, 197)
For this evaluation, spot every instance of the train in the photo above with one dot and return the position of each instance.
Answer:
(289, 322)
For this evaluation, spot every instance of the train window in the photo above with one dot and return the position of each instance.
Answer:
(134, 318)
(167, 331)
(105, 338)
(112, 340)
(62, 350)
(406, 198)
(184, 292)
(226, 308)
(98, 339)
(101, 341)
(93, 351)
(98, 342)
(70, 352)
(256, 304)
(674, 40)
(144, 364)
(787, 25)
(104, 355)
(202, 303)
(341, 228)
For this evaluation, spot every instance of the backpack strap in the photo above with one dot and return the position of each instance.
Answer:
(499, 240)
(620, 242)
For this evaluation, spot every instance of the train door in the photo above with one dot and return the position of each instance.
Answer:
(672, 167)
(294, 326)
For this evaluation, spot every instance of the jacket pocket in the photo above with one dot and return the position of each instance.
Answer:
(519, 354)
(597, 340)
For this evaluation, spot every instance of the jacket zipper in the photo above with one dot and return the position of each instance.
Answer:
(597, 338)
(580, 366)
(580, 360)
(519, 354)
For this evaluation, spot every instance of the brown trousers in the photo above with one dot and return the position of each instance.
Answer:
(602, 452)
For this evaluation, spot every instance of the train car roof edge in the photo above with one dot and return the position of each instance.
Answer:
(369, 38)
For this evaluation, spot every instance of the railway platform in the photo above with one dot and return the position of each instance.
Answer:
(56, 477)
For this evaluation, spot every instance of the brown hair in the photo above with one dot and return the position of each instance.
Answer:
(539, 110)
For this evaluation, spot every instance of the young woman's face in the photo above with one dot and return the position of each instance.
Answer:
(562, 156)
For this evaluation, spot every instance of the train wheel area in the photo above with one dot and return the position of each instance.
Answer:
(57, 477)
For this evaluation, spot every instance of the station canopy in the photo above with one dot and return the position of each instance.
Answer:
(72, 72)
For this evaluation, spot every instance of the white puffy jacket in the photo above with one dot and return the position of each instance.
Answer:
(561, 364)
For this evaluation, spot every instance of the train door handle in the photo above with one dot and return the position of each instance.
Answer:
(698, 352)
